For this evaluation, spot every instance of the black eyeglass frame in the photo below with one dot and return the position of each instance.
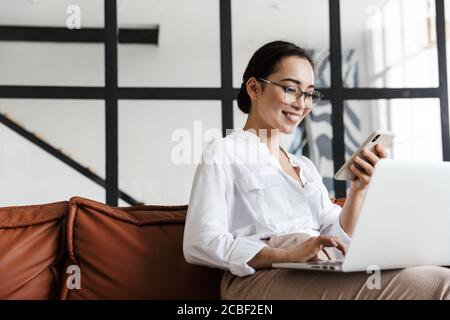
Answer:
(315, 96)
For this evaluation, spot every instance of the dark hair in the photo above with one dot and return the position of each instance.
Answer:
(263, 63)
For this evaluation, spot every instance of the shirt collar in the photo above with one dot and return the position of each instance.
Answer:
(253, 137)
(292, 161)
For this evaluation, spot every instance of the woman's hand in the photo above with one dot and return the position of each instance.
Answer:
(363, 167)
(308, 250)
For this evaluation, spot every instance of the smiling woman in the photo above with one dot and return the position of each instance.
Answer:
(274, 208)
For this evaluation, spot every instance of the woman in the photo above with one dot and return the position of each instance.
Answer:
(253, 204)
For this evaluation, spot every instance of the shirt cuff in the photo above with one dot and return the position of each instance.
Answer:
(244, 250)
(336, 230)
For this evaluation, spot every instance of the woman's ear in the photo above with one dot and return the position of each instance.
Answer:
(253, 87)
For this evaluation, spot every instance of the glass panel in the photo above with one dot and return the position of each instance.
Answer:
(256, 22)
(51, 63)
(188, 49)
(389, 43)
(160, 145)
(31, 175)
(416, 123)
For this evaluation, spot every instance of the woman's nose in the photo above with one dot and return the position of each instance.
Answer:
(300, 103)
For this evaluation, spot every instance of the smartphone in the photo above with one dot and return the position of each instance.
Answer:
(384, 138)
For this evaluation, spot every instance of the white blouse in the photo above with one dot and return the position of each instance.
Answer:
(241, 195)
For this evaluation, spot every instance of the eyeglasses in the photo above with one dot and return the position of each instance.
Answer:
(293, 94)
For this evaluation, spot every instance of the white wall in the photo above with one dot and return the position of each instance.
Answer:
(147, 167)
(30, 176)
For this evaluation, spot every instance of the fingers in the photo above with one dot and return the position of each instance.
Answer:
(341, 246)
(315, 258)
(364, 166)
(368, 168)
(329, 241)
(311, 247)
(380, 151)
(369, 156)
(363, 177)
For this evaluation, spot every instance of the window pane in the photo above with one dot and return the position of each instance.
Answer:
(29, 174)
(389, 43)
(188, 49)
(416, 123)
(256, 22)
(51, 63)
(160, 144)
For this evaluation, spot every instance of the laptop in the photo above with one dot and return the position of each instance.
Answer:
(404, 220)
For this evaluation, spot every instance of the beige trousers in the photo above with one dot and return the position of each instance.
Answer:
(425, 282)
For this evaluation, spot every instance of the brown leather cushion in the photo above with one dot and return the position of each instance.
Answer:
(133, 253)
(31, 246)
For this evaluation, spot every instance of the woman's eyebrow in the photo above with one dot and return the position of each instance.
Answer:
(297, 82)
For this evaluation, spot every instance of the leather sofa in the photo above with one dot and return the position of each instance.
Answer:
(83, 249)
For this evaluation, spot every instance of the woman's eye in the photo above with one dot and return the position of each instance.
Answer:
(291, 90)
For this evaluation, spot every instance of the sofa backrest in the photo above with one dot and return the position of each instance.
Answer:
(132, 253)
(31, 250)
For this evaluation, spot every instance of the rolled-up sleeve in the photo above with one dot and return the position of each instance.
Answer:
(330, 221)
(207, 240)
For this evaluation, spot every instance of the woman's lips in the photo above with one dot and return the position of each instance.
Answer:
(291, 116)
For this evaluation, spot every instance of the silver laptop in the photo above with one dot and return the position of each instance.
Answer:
(404, 221)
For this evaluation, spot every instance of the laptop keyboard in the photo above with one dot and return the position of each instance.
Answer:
(326, 262)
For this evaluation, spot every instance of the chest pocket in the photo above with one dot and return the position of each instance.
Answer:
(263, 191)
